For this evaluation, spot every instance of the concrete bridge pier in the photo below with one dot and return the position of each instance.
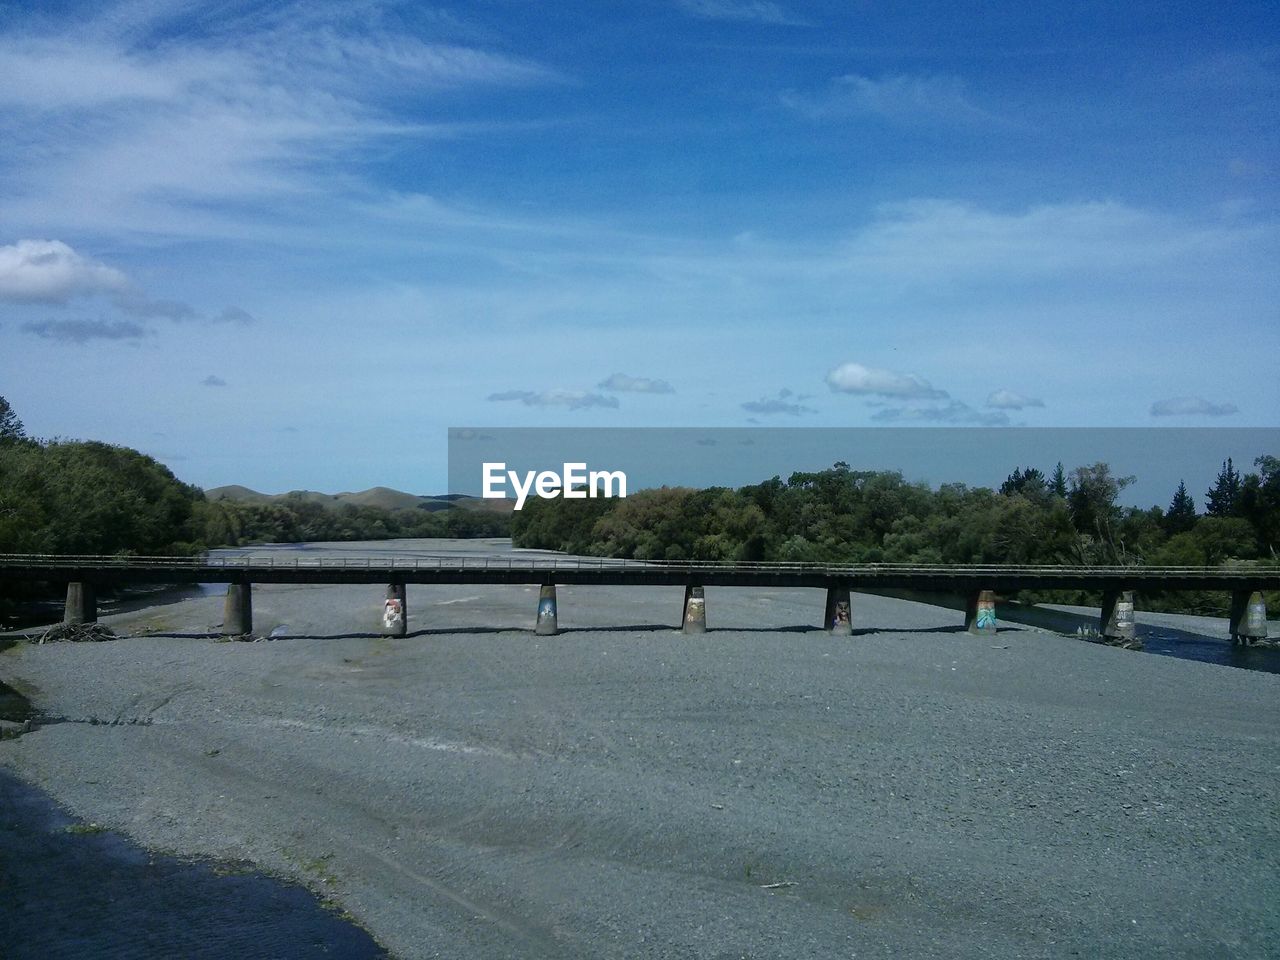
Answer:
(1248, 617)
(694, 618)
(82, 603)
(237, 610)
(1117, 623)
(547, 624)
(395, 611)
(980, 612)
(838, 617)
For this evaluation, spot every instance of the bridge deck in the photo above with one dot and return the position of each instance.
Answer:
(573, 570)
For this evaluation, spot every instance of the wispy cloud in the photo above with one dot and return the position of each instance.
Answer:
(786, 402)
(468, 435)
(898, 99)
(128, 123)
(51, 73)
(136, 303)
(82, 331)
(940, 240)
(957, 411)
(1009, 400)
(213, 380)
(869, 381)
(327, 60)
(572, 399)
(1192, 407)
(622, 383)
(757, 11)
(234, 315)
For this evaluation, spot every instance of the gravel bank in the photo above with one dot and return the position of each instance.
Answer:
(762, 790)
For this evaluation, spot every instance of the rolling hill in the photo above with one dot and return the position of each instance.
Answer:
(382, 497)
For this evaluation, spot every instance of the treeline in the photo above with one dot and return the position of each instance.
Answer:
(93, 498)
(295, 519)
(852, 516)
(842, 515)
(85, 497)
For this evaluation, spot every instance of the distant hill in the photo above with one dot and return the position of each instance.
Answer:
(382, 497)
(235, 492)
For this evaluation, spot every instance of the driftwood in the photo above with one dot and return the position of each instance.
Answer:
(74, 633)
(1094, 636)
(1133, 643)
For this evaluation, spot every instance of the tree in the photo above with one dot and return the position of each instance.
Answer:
(1181, 515)
(11, 428)
(1058, 482)
(1260, 503)
(1224, 538)
(1223, 498)
(1030, 482)
(1092, 498)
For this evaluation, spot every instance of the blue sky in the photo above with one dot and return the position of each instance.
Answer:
(288, 246)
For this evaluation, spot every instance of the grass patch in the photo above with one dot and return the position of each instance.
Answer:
(85, 829)
(315, 867)
(233, 868)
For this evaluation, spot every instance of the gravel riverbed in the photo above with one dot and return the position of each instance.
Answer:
(623, 790)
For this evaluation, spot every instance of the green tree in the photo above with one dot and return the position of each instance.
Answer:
(1260, 503)
(1058, 482)
(1224, 538)
(11, 428)
(221, 522)
(1181, 515)
(89, 497)
(23, 513)
(1092, 499)
(1223, 498)
(1030, 482)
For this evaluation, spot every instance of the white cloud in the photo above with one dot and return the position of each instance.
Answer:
(857, 379)
(49, 271)
(900, 99)
(622, 383)
(1192, 407)
(1009, 400)
(572, 399)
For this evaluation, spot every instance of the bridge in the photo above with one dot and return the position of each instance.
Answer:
(979, 584)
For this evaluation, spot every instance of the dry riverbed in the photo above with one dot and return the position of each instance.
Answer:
(622, 790)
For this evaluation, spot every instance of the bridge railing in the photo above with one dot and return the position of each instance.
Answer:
(250, 560)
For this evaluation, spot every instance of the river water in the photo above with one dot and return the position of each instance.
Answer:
(69, 890)
(1169, 642)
